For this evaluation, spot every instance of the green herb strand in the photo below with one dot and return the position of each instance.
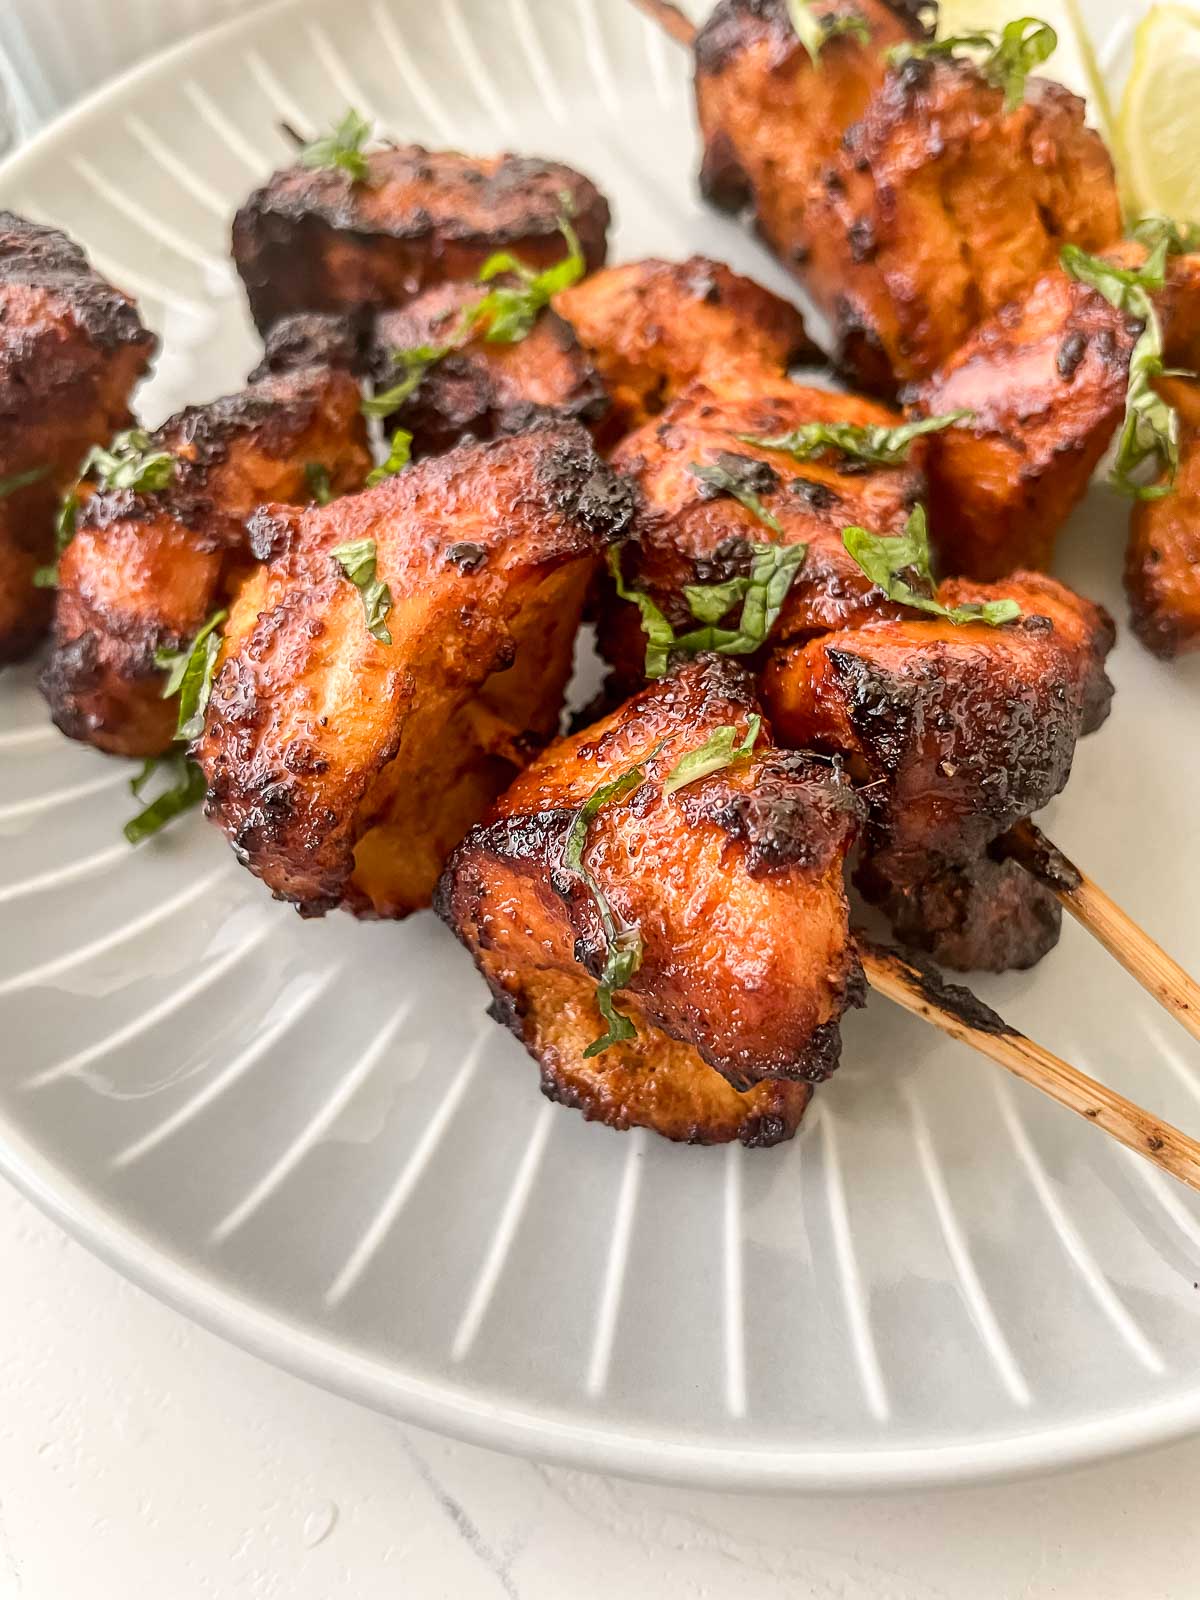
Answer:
(719, 750)
(873, 443)
(1011, 55)
(814, 31)
(190, 674)
(1149, 443)
(21, 480)
(358, 561)
(886, 560)
(186, 788)
(625, 947)
(319, 487)
(399, 457)
(341, 149)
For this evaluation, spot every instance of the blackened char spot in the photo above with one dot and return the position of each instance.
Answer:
(953, 998)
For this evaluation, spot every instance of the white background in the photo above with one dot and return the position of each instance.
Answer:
(140, 1456)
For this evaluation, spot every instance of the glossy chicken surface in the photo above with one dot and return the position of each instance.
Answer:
(685, 533)
(145, 571)
(320, 241)
(1045, 381)
(652, 326)
(955, 732)
(1162, 564)
(483, 389)
(910, 201)
(735, 882)
(72, 348)
(344, 768)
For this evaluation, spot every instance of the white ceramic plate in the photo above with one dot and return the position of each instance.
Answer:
(309, 1137)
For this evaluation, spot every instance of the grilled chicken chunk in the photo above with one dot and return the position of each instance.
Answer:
(956, 733)
(315, 339)
(653, 326)
(1045, 379)
(1162, 564)
(345, 768)
(913, 205)
(72, 349)
(320, 241)
(734, 884)
(483, 389)
(687, 533)
(146, 570)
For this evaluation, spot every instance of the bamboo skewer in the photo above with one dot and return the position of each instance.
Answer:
(670, 19)
(1120, 935)
(957, 1012)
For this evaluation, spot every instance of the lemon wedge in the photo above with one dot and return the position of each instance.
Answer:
(1160, 104)
(1073, 63)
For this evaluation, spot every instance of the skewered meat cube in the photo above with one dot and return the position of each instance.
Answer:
(395, 661)
(1045, 381)
(315, 339)
(732, 884)
(317, 240)
(653, 326)
(1162, 565)
(147, 568)
(914, 206)
(484, 388)
(956, 732)
(71, 352)
(686, 533)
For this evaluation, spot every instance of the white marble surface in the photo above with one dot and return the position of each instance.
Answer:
(141, 1456)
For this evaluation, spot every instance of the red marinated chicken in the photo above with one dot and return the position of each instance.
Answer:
(729, 887)
(911, 199)
(72, 348)
(396, 660)
(148, 567)
(955, 732)
(321, 240)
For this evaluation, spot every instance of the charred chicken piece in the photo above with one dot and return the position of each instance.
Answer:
(482, 389)
(687, 532)
(770, 120)
(315, 339)
(1045, 381)
(1162, 564)
(343, 767)
(653, 326)
(320, 241)
(731, 885)
(956, 732)
(72, 349)
(914, 207)
(146, 569)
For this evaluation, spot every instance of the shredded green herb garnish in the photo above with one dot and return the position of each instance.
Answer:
(872, 443)
(815, 31)
(1011, 55)
(130, 462)
(341, 148)
(624, 954)
(319, 486)
(734, 475)
(719, 750)
(762, 593)
(190, 674)
(886, 561)
(1148, 447)
(399, 457)
(1183, 238)
(506, 314)
(358, 561)
(185, 789)
(21, 480)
